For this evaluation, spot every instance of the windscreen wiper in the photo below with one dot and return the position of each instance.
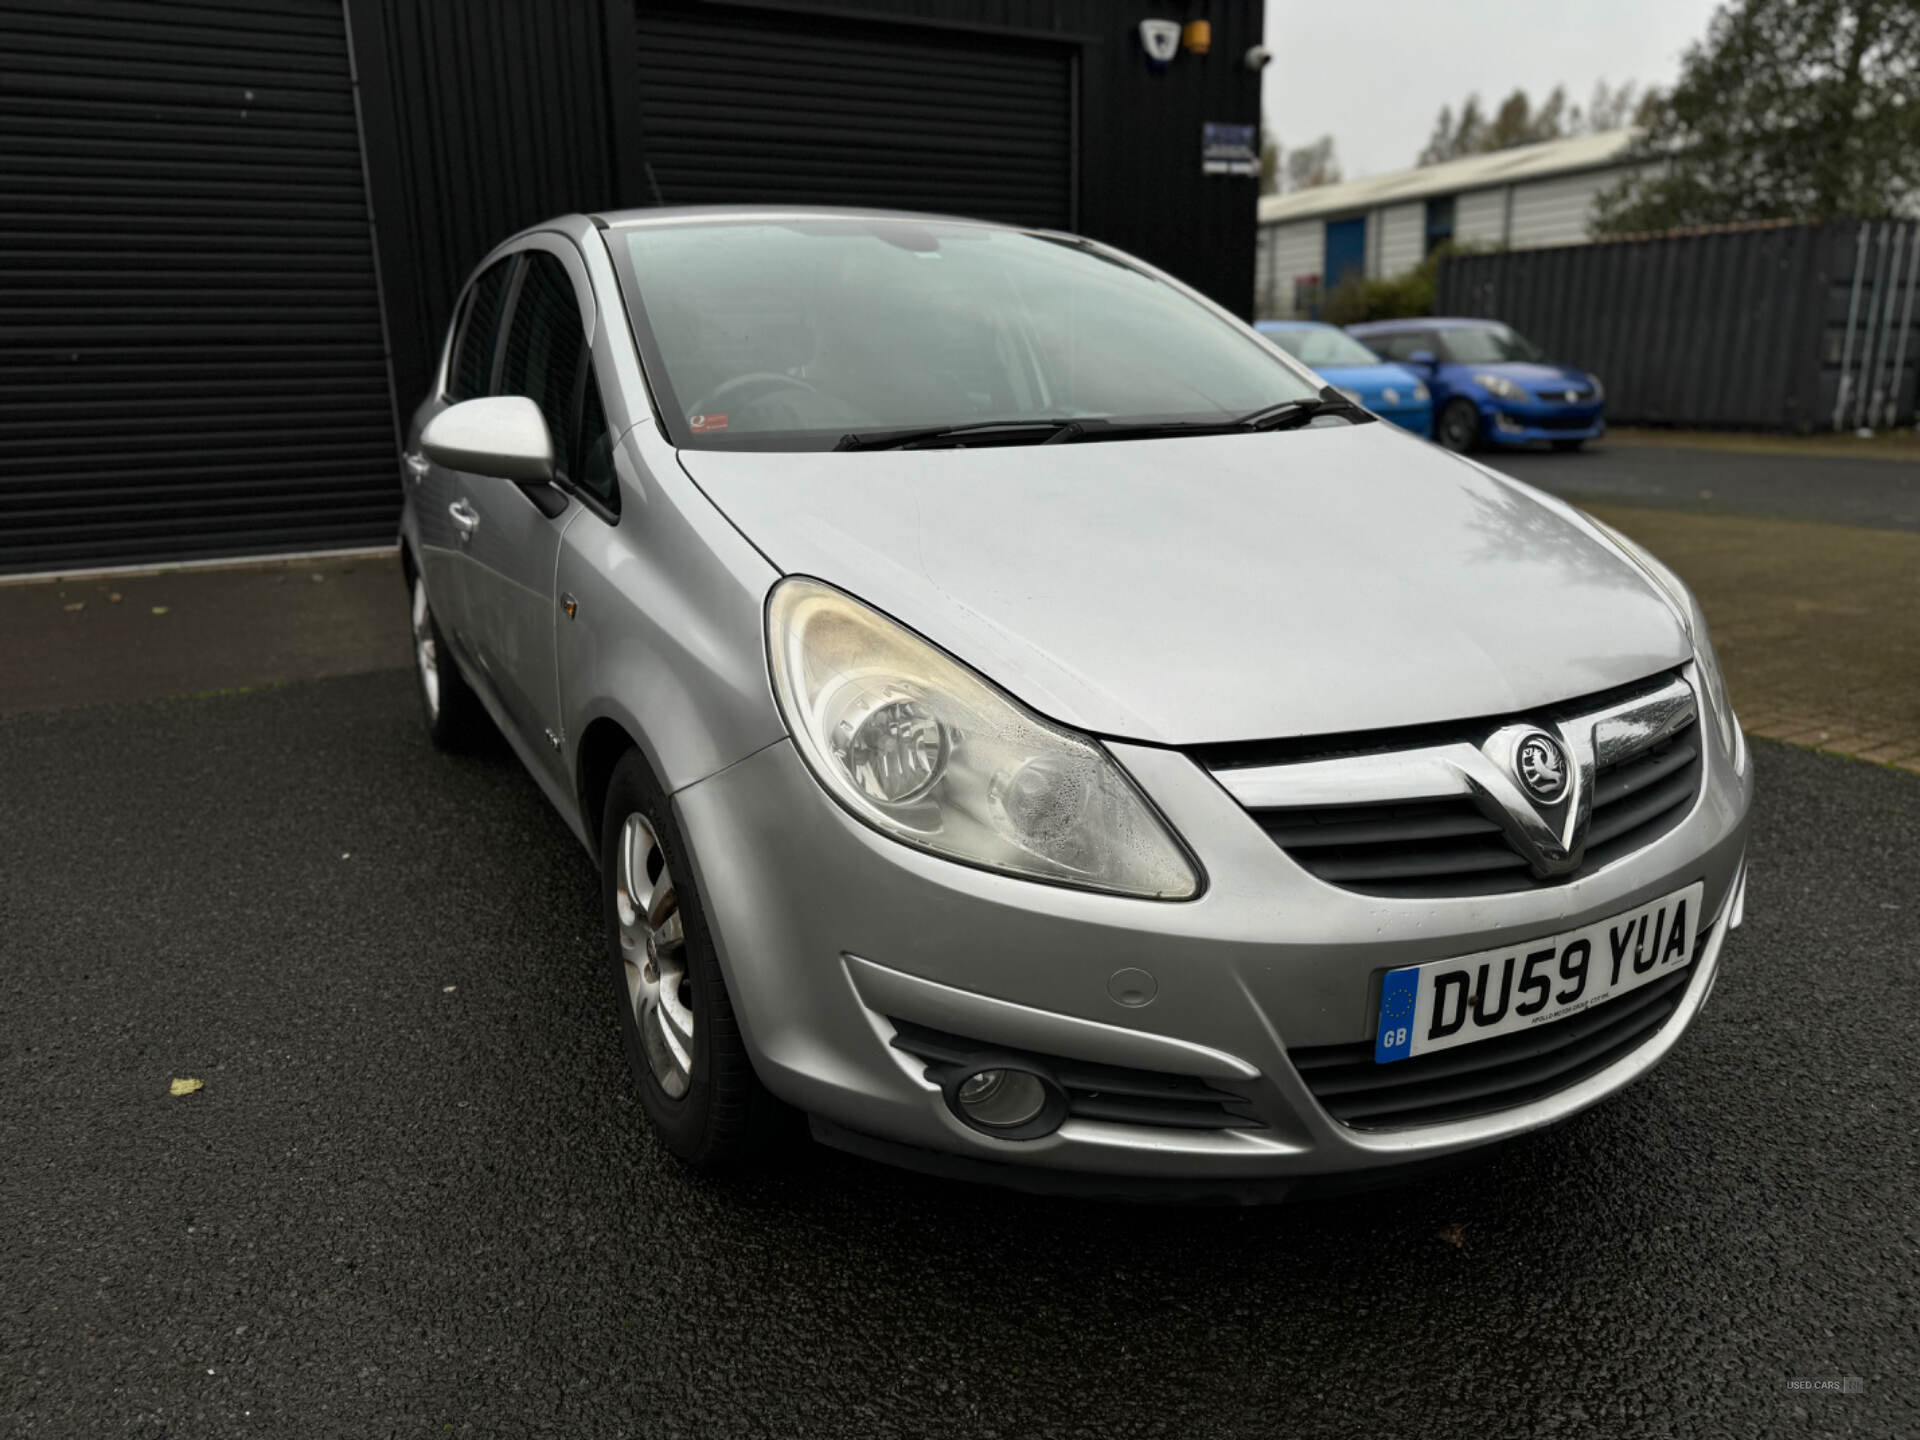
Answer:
(1284, 416)
(1291, 414)
(998, 432)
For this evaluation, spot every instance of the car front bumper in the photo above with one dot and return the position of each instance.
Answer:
(1505, 422)
(832, 936)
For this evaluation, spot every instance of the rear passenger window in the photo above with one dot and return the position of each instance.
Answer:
(546, 348)
(472, 364)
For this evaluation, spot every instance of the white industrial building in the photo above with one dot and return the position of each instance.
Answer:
(1528, 196)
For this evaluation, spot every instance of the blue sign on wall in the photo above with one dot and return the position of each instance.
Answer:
(1228, 149)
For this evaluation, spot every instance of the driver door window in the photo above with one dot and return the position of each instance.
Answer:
(545, 356)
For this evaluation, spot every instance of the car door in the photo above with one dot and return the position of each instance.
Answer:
(443, 532)
(517, 529)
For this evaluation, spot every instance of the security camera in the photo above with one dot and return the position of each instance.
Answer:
(1258, 58)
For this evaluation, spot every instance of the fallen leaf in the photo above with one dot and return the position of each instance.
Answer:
(114, 597)
(159, 609)
(76, 605)
(316, 577)
(346, 854)
(187, 1087)
(446, 989)
(1454, 1235)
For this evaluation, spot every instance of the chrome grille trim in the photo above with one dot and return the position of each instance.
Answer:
(1449, 816)
(1439, 772)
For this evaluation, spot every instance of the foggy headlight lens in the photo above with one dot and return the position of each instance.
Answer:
(1501, 386)
(1420, 391)
(924, 750)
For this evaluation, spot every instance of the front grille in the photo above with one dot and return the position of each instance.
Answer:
(1422, 849)
(1576, 396)
(1487, 1075)
(1094, 1092)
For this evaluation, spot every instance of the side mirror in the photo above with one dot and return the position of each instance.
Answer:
(1423, 357)
(503, 435)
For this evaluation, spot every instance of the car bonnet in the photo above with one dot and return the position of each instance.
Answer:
(1182, 591)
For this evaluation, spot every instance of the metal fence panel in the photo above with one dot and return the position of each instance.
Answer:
(1791, 326)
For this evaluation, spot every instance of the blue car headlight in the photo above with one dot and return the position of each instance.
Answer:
(1500, 387)
(1420, 392)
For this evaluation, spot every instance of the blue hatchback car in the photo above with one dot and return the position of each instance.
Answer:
(1491, 386)
(1390, 391)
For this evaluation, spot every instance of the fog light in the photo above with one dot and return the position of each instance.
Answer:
(1506, 422)
(1001, 1099)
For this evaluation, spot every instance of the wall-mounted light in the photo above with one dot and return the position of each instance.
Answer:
(1160, 39)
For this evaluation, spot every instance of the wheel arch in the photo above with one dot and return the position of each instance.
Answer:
(601, 745)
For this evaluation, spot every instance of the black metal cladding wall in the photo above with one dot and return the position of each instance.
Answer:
(190, 347)
(1736, 328)
(1134, 178)
(482, 117)
(805, 110)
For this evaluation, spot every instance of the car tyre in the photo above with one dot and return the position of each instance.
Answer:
(451, 709)
(677, 1023)
(1458, 428)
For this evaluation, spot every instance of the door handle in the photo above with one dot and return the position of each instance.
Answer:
(416, 466)
(466, 519)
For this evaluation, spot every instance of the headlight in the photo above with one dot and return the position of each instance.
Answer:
(1704, 660)
(1599, 390)
(1420, 391)
(1501, 386)
(927, 752)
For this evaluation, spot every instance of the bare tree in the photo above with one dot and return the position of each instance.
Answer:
(1310, 165)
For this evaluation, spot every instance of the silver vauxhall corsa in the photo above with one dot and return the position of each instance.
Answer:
(1027, 724)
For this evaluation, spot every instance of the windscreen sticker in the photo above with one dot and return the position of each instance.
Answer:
(704, 423)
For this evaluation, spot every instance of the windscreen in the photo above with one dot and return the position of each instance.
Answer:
(1481, 344)
(793, 334)
(1317, 346)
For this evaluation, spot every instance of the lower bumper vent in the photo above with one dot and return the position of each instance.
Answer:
(1490, 1075)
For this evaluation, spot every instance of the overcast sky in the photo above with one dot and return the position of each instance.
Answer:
(1374, 74)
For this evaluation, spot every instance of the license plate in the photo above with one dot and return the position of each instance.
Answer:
(1444, 1003)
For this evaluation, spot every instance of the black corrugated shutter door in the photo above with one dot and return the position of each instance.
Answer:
(190, 350)
(744, 106)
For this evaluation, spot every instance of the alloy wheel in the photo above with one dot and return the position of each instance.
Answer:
(426, 655)
(653, 951)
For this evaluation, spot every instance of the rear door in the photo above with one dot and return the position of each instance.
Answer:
(515, 544)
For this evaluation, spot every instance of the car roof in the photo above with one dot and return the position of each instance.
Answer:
(1424, 322)
(713, 214)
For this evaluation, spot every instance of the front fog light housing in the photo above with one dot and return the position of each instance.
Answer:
(925, 751)
(1001, 1099)
(998, 1095)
